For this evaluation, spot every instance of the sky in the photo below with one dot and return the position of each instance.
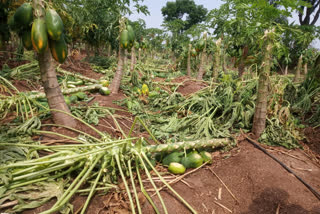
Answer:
(155, 19)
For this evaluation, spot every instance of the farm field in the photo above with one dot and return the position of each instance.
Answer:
(216, 112)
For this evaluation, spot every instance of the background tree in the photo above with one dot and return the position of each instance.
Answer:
(309, 12)
(174, 11)
(179, 17)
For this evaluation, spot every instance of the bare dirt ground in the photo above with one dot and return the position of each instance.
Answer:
(259, 184)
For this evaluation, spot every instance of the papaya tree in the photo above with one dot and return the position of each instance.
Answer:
(260, 115)
(47, 30)
(139, 28)
(124, 43)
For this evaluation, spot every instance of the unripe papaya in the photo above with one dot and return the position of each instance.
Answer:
(39, 36)
(136, 45)
(54, 24)
(131, 35)
(23, 15)
(59, 49)
(124, 39)
(26, 39)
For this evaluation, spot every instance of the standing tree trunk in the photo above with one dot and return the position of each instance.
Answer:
(298, 70)
(203, 58)
(53, 92)
(109, 50)
(139, 55)
(260, 115)
(305, 66)
(189, 61)
(115, 85)
(133, 57)
(50, 83)
(201, 67)
(20, 50)
(223, 56)
(286, 70)
(173, 58)
(125, 58)
(242, 59)
(217, 57)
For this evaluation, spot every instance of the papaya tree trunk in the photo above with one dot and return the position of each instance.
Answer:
(260, 115)
(202, 66)
(286, 70)
(133, 56)
(139, 55)
(86, 47)
(217, 64)
(224, 58)
(189, 61)
(202, 63)
(298, 70)
(241, 66)
(173, 58)
(305, 66)
(125, 58)
(115, 85)
(20, 50)
(109, 50)
(50, 83)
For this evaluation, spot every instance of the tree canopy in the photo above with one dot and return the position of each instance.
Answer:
(175, 11)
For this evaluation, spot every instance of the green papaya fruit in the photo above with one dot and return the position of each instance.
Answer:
(54, 24)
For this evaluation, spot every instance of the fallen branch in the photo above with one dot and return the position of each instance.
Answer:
(213, 143)
(79, 76)
(39, 95)
(9, 204)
